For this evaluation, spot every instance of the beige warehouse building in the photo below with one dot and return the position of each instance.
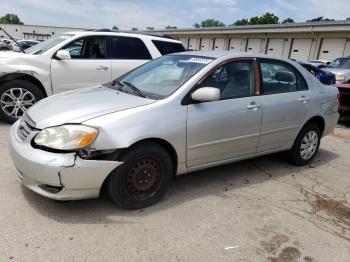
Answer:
(34, 31)
(299, 41)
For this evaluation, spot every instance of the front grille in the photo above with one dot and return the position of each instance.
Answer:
(25, 127)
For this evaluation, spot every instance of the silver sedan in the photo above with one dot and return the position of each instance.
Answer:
(173, 115)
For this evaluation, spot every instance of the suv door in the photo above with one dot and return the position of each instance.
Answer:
(88, 65)
(126, 53)
(286, 103)
(228, 128)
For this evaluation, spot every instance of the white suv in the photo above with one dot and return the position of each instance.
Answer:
(70, 61)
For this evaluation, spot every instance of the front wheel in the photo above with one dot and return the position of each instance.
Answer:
(143, 177)
(16, 97)
(306, 145)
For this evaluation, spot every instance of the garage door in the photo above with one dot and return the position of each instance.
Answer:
(275, 47)
(235, 44)
(193, 43)
(205, 44)
(301, 49)
(254, 45)
(332, 48)
(184, 41)
(219, 44)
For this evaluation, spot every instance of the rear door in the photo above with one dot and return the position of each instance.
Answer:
(126, 53)
(88, 65)
(228, 128)
(286, 103)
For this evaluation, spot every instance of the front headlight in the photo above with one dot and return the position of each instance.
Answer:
(66, 137)
(340, 77)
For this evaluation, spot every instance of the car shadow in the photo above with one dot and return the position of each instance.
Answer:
(217, 181)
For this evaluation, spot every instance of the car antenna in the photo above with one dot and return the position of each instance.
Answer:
(14, 40)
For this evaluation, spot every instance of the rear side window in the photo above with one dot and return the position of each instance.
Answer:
(279, 77)
(168, 47)
(128, 48)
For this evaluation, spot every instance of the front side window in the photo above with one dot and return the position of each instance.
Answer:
(163, 76)
(128, 48)
(88, 48)
(234, 79)
(279, 77)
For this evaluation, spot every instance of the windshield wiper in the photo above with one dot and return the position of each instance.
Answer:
(14, 40)
(134, 88)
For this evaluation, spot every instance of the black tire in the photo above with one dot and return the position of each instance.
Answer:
(143, 178)
(295, 155)
(16, 85)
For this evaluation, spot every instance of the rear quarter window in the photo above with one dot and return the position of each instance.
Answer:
(168, 47)
(128, 48)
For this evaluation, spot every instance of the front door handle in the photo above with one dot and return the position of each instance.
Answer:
(253, 106)
(304, 99)
(102, 68)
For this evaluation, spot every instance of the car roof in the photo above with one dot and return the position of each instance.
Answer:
(138, 35)
(230, 54)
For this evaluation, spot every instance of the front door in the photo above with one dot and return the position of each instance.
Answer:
(88, 65)
(228, 128)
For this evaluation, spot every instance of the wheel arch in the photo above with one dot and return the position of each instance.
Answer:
(26, 77)
(319, 121)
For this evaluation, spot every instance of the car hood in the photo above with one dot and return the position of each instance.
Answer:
(80, 105)
(12, 54)
(337, 71)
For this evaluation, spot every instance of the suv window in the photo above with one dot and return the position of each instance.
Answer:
(235, 79)
(168, 47)
(280, 78)
(88, 48)
(128, 48)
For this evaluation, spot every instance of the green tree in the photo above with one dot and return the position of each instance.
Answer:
(171, 27)
(115, 28)
(209, 23)
(319, 19)
(135, 29)
(347, 18)
(10, 19)
(265, 19)
(241, 22)
(288, 21)
(150, 28)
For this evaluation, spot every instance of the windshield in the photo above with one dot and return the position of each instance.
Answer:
(341, 63)
(46, 45)
(163, 76)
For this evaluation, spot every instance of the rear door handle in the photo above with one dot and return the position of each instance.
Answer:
(253, 106)
(102, 68)
(304, 99)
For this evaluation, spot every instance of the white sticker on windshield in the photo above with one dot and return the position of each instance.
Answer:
(199, 60)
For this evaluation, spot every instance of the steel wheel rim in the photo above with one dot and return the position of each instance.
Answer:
(144, 178)
(15, 101)
(309, 145)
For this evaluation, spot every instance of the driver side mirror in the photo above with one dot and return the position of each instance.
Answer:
(206, 94)
(62, 55)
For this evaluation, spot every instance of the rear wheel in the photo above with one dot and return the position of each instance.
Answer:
(16, 97)
(306, 145)
(143, 177)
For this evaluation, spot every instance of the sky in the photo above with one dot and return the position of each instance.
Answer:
(160, 13)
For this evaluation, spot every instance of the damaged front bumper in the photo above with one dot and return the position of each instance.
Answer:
(59, 176)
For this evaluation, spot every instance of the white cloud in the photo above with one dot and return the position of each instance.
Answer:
(287, 5)
(226, 3)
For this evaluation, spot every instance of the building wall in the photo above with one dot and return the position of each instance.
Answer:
(301, 41)
(34, 32)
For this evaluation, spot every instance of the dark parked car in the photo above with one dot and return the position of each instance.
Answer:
(325, 77)
(344, 101)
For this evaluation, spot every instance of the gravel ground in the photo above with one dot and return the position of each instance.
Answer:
(257, 210)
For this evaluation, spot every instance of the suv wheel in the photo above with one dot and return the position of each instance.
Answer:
(16, 97)
(143, 177)
(306, 145)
